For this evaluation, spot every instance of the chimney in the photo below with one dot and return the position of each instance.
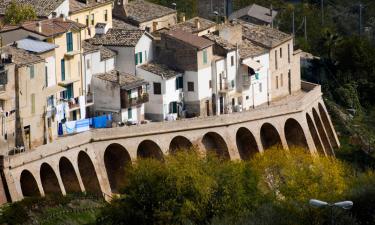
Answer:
(39, 26)
(197, 23)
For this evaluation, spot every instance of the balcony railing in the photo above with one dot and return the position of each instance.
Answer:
(130, 102)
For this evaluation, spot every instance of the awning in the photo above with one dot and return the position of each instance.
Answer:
(67, 82)
(53, 90)
(252, 64)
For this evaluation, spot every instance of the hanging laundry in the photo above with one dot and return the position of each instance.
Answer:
(70, 127)
(82, 125)
(82, 106)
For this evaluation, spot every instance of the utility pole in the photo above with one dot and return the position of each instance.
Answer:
(322, 8)
(305, 28)
(360, 18)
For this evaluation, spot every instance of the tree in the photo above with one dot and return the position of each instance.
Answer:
(16, 13)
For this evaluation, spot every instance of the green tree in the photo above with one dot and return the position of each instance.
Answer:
(16, 13)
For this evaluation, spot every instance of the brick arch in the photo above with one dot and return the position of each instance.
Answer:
(29, 186)
(246, 143)
(149, 149)
(294, 135)
(270, 137)
(180, 143)
(87, 170)
(327, 126)
(49, 180)
(215, 143)
(321, 131)
(116, 160)
(68, 176)
(314, 134)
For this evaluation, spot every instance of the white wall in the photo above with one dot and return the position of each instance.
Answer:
(63, 9)
(201, 84)
(125, 61)
(145, 46)
(50, 63)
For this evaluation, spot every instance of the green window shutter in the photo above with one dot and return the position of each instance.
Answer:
(69, 41)
(140, 58)
(257, 76)
(130, 113)
(69, 91)
(32, 72)
(177, 83)
(33, 103)
(62, 70)
(174, 107)
(136, 58)
(181, 82)
(232, 83)
(46, 75)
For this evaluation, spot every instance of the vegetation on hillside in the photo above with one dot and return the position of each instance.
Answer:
(16, 13)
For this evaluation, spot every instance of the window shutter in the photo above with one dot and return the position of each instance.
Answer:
(140, 58)
(136, 58)
(62, 70)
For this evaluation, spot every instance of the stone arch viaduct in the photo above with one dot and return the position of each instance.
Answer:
(94, 161)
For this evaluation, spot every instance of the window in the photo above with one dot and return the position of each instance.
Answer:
(87, 20)
(288, 53)
(50, 100)
(62, 69)
(247, 97)
(32, 103)
(46, 76)
(138, 58)
(157, 88)
(130, 114)
(232, 83)
(277, 82)
(106, 15)
(210, 84)
(232, 60)
(281, 80)
(260, 87)
(179, 83)
(281, 52)
(32, 71)
(205, 56)
(190, 86)
(69, 41)
(275, 59)
(173, 107)
(92, 19)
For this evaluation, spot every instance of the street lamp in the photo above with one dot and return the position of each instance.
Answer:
(320, 204)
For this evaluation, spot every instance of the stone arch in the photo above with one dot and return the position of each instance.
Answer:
(149, 149)
(87, 170)
(314, 135)
(179, 143)
(246, 143)
(270, 137)
(49, 180)
(29, 186)
(116, 159)
(68, 176)
(327, 125)
(294, 135)
(215, 143)
(321, 132)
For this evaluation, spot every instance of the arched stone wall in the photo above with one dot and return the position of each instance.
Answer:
(49, 180)
(270, 136)
(116, 160)
(246, 143)
(68, 176)
(314, 134)
(149, 149)
(214, 143)
(180, 143)
(29, 185)
(294, 134)
(88, 173)
(327, 126)
(322, 133)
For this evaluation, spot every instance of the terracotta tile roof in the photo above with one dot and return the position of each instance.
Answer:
(263, 35)
(105, 53)
(221, 42)
(139, 11)
(49, 27)
(119, 24)
(191, 26)
(248, 49)
(190, 39)
(118, 37)
(21, 57)
(43, 8)
(160, 69)
(78, 5)
(126, 81)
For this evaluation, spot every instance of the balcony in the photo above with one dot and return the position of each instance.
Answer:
(73, 104)
(130, 102)
(246, 80)
(225, 86)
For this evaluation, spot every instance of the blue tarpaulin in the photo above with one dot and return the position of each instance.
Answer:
(100, 121)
